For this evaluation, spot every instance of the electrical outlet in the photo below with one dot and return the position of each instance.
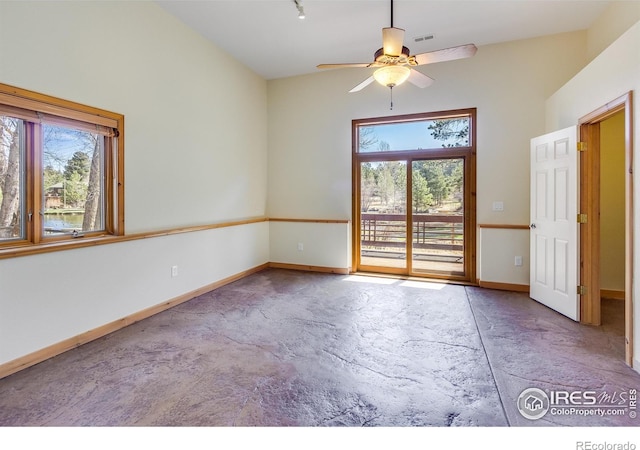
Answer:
(300, 246)
(174, 271)
(498, 206)
(518, 261)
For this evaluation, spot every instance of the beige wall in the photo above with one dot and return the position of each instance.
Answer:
(310, 244)
(310, 132)
(616, 19)
(612, 198)
(503, 246)
(196, 140)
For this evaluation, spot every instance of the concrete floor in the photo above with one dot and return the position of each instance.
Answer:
(287, 348)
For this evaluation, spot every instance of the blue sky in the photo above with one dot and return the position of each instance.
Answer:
(62, 143)
(405, 136)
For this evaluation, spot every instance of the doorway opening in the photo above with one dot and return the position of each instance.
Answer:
(606, 239)
(414, 195)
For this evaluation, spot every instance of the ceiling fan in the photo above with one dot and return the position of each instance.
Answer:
(395, 64)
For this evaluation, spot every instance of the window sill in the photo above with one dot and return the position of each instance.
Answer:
(48, 247)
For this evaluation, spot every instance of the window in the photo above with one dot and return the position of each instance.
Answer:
(414, 195)
(61, 173)
(415, 134)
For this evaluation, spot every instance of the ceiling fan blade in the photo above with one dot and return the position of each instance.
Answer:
(446, 54)
(363, 85)
(341, 66)
(392, 41)
(419, 79)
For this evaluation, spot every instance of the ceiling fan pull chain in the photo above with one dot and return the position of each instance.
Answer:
(391, 93)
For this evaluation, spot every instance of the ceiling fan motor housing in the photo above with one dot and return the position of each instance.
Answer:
(382, 58)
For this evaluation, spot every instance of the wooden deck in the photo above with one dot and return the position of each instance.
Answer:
(426, 266)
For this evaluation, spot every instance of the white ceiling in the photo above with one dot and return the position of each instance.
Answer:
(268, 37)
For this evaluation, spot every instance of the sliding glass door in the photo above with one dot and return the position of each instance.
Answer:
(437, 216)
(383, 236)
(414, 212)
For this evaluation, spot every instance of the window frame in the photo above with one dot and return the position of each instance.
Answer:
(467, 153)
(35, 109)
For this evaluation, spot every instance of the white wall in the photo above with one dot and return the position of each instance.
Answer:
(502, 268)
(612, 23)
(196, 140)
(613, 73)
(310, 128)
(310, 244)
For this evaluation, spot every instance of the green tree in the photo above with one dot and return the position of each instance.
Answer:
(368, 186)
(439, 185)
(452, 132)
(392, 185)
(79, 163)
(457, 177)
(52, 177)
(422, 197)
(75, 191)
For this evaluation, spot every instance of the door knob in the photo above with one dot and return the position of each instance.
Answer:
(532, 226)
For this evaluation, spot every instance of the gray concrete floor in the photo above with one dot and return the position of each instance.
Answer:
(287, 348)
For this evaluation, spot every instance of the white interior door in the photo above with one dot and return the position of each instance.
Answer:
(554, 227)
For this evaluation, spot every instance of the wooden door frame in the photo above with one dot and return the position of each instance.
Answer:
(410, 155)
(589, 129)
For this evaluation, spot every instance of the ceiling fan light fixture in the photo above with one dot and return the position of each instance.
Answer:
(391, 76)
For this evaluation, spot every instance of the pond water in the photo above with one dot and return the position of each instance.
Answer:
(63, 221)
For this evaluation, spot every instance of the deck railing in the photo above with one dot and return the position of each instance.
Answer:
(430, 231)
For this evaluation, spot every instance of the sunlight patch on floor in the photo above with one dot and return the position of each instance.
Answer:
(368, 279)
(388, 281)
(422, 285)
